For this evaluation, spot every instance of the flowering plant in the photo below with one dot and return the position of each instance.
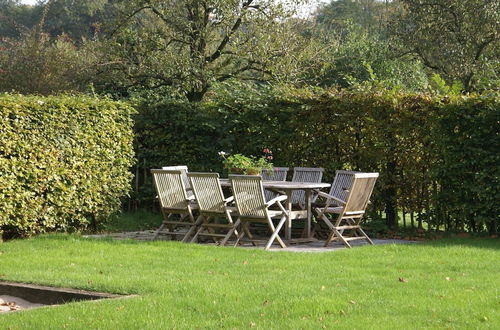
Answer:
(241, 164)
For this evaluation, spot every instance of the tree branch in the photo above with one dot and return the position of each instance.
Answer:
(234, 28)
(135, 12)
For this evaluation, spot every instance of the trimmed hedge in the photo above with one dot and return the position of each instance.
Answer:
(410, 139)
(64, 162)
(467, 170)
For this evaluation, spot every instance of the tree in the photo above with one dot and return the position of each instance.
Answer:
(38, 63)
(15, 18)
(76, 18)
(189, 45)
(457, 38)
(372, 15)
(361, 52)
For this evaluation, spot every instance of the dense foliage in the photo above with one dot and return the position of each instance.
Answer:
(188, 47)
(206, 77)
(459, 39)
(411, 139)
(64, 162)
(38, 63)
(467, 169)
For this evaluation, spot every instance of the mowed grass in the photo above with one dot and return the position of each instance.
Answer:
(441, 284)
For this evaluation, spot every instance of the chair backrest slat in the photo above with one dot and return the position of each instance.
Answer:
(277, 174)
(208, 192)
(249, 196)
(305, 174)
(184, 171)
(360, 193)
(170, 189)
(342, 185)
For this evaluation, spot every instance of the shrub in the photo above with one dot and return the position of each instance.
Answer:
(39, 64)
(468, 171)
(406, 137)
(64, 162)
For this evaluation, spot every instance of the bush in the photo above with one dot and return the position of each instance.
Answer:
(468, 171)
(409, 138)
(64, 162)
(39, 64)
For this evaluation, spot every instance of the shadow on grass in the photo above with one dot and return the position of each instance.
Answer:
(134, 221)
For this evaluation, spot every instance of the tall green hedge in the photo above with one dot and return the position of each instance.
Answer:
(411, 139)
(467, 170)
(64, 162)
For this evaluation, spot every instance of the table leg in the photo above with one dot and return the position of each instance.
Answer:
(288, 224)
(308, 205)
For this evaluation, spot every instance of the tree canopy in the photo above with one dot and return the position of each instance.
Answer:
(457, 38)
(186, 47)
(189, 45)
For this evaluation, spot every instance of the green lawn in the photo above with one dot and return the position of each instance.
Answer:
(450, 284)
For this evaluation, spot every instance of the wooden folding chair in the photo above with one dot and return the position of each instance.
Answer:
(305, 174)
(252, 207)
(351, 210)
(174, 200)
(276, 174)
(212, 205)
(340, 188)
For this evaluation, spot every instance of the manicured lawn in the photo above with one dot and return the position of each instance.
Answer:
(448, 284)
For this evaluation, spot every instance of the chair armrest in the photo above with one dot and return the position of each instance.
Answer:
(229, 200)
(328, 196)
(276, 200)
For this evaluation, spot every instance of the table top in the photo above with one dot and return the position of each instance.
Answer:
(285, 185)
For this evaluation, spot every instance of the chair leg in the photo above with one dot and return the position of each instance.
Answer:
(157, 233)
(276, 233)
(366, 236)
(195, 237)
(240, 236)
(166, 216)
(246, 229)
(230, 233)
(340, 237)
(192, 228)
(329, 238)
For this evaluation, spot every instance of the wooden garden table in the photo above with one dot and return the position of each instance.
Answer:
(287, 187)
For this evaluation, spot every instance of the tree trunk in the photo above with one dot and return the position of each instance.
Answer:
(196, 95)
(493, 228)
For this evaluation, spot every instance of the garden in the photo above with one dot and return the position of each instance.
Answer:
(99, 99)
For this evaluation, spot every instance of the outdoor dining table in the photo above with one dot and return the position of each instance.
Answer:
(288, 187)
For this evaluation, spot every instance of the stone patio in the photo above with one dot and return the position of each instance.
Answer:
(315, 246)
